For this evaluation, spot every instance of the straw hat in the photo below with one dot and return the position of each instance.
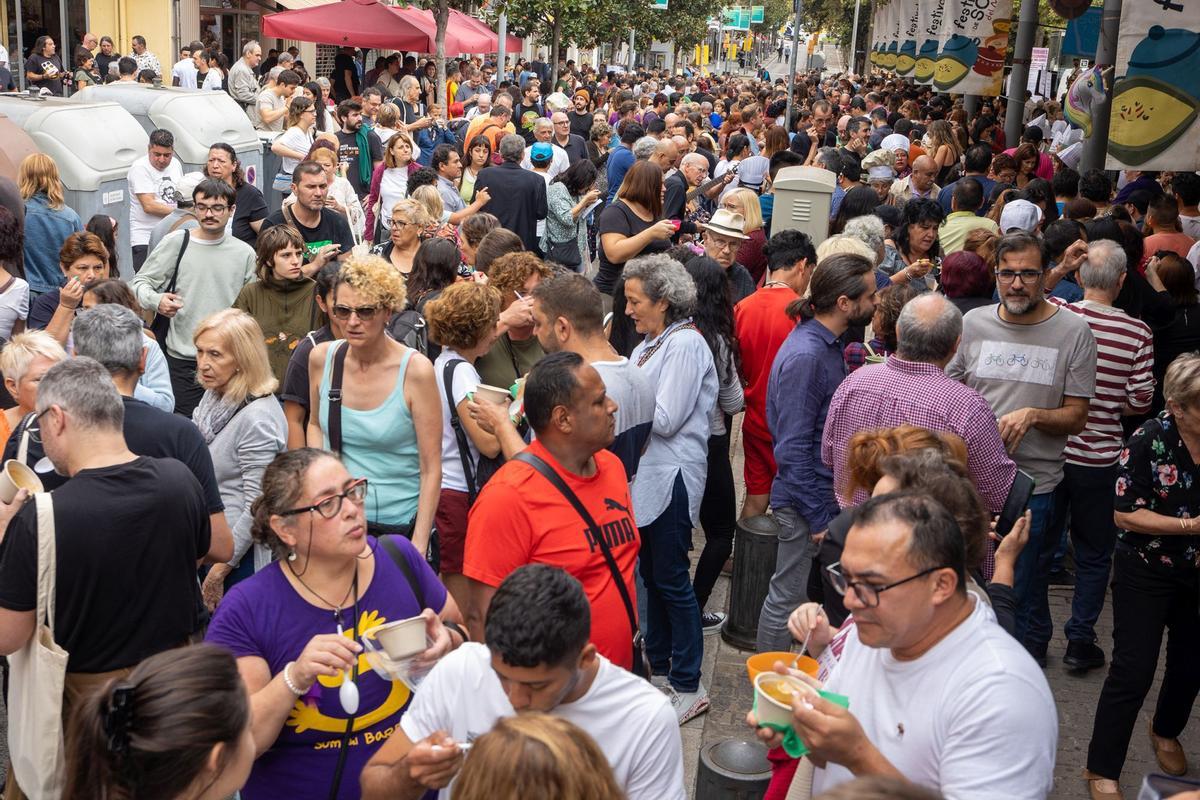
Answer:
(727, 223)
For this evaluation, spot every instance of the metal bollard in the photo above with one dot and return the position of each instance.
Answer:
(733, 769)
(754, 548)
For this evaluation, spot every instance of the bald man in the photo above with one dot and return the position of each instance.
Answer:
(693, 169)
(666, 154)
(918, 185)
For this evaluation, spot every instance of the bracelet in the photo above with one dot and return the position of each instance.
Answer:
(287, 680)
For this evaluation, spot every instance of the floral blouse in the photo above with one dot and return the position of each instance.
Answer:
(1155, 471)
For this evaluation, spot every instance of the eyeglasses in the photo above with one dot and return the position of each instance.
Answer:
(34, 430)
(201, 208)
(399, 223)
(330, 507)
(1024, 275)
(867, 593)
(365, 313)
(721, 244)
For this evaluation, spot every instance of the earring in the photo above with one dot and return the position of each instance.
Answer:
(291, 555)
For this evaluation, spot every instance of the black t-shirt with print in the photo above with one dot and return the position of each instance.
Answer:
(40, 65)
(348, 152)
(332, 229)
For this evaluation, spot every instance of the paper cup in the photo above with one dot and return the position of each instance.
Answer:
(16, 476)
(402, 638)
(773, 697)
(493, 394)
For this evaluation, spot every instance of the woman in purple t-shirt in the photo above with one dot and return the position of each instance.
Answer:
(294, 629)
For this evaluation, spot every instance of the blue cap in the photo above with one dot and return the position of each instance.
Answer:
(541, 151)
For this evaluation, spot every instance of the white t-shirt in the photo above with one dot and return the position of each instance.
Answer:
(213, 80)
(393, 187)
(273, 102)
(294, 138)
(973, 718)
(14, 305)
(145, 179)
(466, 378)
(1190, 225)
(185, 72)
(630, 720)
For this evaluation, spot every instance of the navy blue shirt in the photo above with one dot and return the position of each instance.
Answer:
(984, 181)
(807, 371)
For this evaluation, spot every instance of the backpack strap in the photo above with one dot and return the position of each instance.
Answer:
(334, 422)
(460, 434)
(393, 550)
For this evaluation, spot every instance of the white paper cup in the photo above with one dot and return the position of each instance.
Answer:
(771, 709)
(16, 476)
(403, 638)
(493, 394)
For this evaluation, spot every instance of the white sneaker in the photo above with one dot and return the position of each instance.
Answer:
(689, 705)
(659, 682)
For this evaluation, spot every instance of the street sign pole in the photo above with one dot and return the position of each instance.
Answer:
(792, 64)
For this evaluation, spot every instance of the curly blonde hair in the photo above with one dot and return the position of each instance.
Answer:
(375, 279)
(462, 314)
(508, 273)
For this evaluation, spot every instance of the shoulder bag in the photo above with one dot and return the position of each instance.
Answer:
(37, 677)
(641, 664)
(160, 326)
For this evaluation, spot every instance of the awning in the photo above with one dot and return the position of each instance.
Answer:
(512, 43)
(459, 38)
(350, 23)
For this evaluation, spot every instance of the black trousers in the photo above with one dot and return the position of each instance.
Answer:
(140, 251)
(718, 517)
(1146, 601)
(187, 389)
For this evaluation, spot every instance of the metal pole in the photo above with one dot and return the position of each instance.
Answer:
(971, 105)
(854, 38)
(792, 64)
(1095, 147)
(631, 56)
(1019, 77)
(501, 41)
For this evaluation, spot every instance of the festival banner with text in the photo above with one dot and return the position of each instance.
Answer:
(973, 39)
(930, 14)
(1156, 91)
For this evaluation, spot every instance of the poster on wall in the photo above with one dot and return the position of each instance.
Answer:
(930, 14)
(1156, 90)
(973, 46)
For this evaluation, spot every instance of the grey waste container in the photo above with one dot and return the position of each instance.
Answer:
(93, 145)
(271, 166)
(803, 196)
(733, 769)
(198, 118)
(755, 543)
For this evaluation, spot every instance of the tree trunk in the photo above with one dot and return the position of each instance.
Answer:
(555, 39)
(441, 16)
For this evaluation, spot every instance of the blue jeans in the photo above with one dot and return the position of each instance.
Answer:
(1087, 492)
(674, 638)
(789, 584)
(1031, 577)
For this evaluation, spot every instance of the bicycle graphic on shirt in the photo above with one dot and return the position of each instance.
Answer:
(1018, 359)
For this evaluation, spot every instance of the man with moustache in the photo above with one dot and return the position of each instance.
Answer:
(1036, 367)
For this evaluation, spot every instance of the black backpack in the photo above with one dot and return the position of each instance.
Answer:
(408, 328)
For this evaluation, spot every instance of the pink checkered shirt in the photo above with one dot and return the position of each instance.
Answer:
(899, 392)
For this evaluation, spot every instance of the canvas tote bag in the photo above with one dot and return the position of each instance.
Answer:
(37, 675)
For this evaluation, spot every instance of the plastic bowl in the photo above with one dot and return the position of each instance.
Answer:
(763, 662)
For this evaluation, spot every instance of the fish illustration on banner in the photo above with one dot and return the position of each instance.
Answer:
(929, 30)
(906, 60)
(1154, 107)
(974, 35)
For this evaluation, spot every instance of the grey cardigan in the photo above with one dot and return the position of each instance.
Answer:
(240, 455)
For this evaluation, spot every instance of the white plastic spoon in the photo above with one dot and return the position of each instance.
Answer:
(348, 691)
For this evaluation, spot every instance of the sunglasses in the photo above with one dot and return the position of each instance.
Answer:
(364, 313)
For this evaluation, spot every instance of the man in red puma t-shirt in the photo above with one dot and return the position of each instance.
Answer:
(520, 518)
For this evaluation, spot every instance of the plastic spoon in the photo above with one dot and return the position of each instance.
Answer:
(807, 636)
(348, 691)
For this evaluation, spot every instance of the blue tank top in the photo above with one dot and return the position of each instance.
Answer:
(381, 445)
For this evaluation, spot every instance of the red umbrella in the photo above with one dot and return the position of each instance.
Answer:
(465, 20)
(352, 23)
(459, 39)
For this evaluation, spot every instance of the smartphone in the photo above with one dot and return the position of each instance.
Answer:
(1015, 504)
(1155, 787)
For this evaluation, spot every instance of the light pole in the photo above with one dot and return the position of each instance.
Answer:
(854, 39)
(1019, 77)
(1095, 147)
(792, 64)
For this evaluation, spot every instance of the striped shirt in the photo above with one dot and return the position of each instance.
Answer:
(1124, 377)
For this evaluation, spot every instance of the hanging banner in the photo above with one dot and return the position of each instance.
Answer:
(891, 36)
(876, 35)
(1157, 88)
(906, 60)
(929, 38)
(974, 44)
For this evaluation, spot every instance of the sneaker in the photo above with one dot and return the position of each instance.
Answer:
(689, 705)
(711, 621)
(659, 682)
(1082, 655)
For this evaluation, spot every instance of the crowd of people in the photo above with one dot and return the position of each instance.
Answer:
(488, 368)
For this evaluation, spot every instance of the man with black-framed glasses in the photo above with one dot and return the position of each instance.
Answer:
(1036, 367)
(940, 695)
(191, 274)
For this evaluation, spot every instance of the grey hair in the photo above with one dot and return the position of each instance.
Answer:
(928, 329)
(112, 335)
(644, 147)
(664, 278)
(483, 97)
(1104, 266)
(82, 387)
(542, 122)
(512, 148)
(407, 82)
(249, 46)
(830, 159)
(694, 158)
(869, 229)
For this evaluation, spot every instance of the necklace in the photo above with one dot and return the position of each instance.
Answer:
(337, 607)
(769, 284)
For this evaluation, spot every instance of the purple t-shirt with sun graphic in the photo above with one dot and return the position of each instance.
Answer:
(263, 616)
